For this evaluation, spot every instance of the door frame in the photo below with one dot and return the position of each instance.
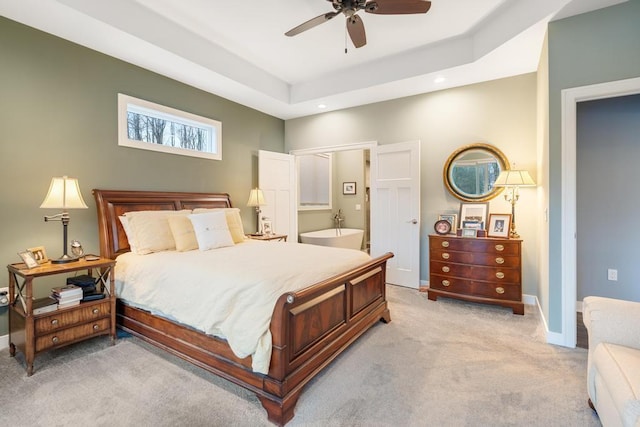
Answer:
(570, 99)
(368, 145)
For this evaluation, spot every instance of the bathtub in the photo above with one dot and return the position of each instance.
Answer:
(350, 238)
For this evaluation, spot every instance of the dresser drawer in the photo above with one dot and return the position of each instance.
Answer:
(85, 312)
(496, 274)
(476, 258)
(98, 327)
(485, 245)
(503, 291)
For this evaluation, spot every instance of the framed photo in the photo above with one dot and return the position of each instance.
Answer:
(499, 225)
(470, 232)
(348, 188)
(267, 227)
(476, 225)
(39, 254)
(453, 220)
(28, 259)
(473, 212)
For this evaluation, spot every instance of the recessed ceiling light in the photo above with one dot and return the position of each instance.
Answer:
(322, 106)
(439, 79)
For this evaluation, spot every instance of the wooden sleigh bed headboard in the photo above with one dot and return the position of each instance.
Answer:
(113, 203)
(309, 327)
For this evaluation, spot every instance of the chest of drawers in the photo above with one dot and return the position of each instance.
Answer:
(486, 270)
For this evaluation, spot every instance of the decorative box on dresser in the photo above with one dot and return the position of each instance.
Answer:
(486, 270)
(35, 333)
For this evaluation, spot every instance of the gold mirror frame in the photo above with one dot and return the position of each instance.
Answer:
(457, 155)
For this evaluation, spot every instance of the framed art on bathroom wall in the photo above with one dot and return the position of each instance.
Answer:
(348, 188)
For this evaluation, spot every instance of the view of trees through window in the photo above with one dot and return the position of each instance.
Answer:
(476, 178)
(141, 127)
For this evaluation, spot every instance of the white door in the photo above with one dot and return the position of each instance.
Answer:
(397, 211)
(276, 179)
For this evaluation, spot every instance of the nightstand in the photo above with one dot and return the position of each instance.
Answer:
(33, 334)
(268, 237)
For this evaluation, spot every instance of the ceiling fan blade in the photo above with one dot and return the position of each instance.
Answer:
(397, 7)
(311, 23)
(355, 27)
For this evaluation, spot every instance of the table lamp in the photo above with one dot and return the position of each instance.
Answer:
(64, 193)
(256, 199)
(513, 179)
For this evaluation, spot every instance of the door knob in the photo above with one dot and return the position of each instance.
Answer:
(413, 221)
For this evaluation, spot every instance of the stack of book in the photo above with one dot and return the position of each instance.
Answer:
(44, 305)
(67, 296)
(88, 285)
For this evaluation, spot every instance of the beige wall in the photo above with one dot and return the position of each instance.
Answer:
(501, 113)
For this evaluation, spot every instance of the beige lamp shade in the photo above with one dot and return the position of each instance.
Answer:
(64, 193)
(256, 198)
(514, 178)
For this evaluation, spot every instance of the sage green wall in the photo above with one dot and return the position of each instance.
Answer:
(500, 112)
(58, 106)
(595, 47)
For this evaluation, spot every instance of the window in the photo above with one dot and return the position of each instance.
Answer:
(149, 126)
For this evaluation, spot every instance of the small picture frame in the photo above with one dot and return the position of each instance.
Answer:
(476, 225)
(499, 225)
(28, 259)
(348, 188)
(473, 212)
(453, 220)
(470, 232)
(39, 254)
(267, 227)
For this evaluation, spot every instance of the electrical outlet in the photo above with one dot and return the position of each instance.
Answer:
(5, 289)
(612, 274)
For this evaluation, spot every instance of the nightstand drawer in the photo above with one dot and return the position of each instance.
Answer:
(100, 326)
(72, 316)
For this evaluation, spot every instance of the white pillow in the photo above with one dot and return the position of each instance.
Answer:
(234, 222)
(127, 230)
(211, 230)
(151, 231)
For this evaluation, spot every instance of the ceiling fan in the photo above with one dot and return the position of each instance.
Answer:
(350, 8)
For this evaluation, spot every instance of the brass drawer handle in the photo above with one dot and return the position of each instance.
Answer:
(499, 248)
(446, 283)
(54, 322)
(445, 244)
(446, 269)
(500, 290)
(96, 311)
(445, 255)
(499, 260)
(96, 327)
(500, 275)
(55, 340)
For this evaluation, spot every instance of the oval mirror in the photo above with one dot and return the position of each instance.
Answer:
(470, 172)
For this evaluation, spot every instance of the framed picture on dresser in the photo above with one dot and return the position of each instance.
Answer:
(476, 212)
(499, 225)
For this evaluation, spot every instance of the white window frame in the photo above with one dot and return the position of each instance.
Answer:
(128, 103)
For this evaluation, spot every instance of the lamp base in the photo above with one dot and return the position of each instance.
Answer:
(64, 259)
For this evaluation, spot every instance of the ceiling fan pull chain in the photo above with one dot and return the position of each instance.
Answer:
(345, 37)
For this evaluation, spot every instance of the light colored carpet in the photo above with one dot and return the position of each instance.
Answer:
(444, 363)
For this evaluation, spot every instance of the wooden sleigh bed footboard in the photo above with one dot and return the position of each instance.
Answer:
(309, 328)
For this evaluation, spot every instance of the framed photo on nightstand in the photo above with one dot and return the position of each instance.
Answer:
(28, 259)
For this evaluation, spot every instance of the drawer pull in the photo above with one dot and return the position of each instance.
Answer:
(95, 311)
(499, 248)
(55, 340)
(446, 283)
(445, 244)
(96, 327)
(500, 290)
(499, 260)
(445, 255)
(446, 269)
(500, 275)
(54, 322)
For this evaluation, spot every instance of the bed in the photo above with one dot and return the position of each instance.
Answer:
(309, 327)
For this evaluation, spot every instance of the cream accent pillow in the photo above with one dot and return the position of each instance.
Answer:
(151, 231)
(234, 222)
(211, 230)
(183, 233)
(127, 230)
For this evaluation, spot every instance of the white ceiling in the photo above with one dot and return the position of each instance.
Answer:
(238, 50)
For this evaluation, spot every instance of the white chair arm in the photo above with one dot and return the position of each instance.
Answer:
(611, 320)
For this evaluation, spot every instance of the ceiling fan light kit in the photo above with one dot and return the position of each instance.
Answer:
(354, 24)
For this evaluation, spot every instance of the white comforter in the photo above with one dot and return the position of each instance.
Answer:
(228, 292)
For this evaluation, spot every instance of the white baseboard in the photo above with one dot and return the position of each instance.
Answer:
(4, 341)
